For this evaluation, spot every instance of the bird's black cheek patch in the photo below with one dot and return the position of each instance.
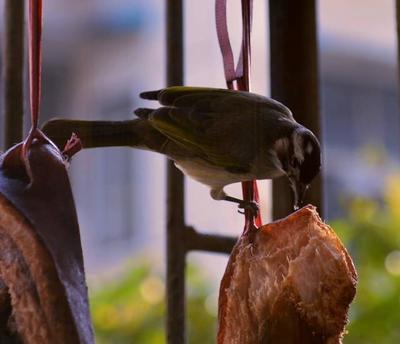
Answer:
(309, 169)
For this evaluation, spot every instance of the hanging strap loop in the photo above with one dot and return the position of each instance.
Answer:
(35, 72)
(231, 73)
(35, 69)
(35, 58)
(35, 78)
(238, 79)
(224, 42)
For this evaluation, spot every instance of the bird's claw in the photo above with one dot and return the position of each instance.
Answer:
(247, 205)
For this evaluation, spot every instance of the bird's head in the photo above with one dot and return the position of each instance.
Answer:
(301, 162)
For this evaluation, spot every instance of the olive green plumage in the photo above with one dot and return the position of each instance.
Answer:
(216, 136)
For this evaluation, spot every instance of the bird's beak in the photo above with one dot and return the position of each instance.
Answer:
(299, 190)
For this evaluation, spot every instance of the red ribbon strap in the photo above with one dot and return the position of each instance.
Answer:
(35, 58)
(232, 74)
(224, 42)
(35, 61)
(242, 77)
(35, 79)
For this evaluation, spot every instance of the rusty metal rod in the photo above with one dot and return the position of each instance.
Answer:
(176, 312)
(294, 81)
(13, 71)
(196, 241)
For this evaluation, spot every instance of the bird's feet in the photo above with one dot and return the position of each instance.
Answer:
(245, 205)
(248, 205)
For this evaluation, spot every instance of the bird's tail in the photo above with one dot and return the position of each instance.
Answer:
(93, 134)
(150, 95)
(143, 113)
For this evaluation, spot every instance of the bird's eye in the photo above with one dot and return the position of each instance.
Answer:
(309, 148)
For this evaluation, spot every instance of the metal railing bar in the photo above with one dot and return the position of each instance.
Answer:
(176, 314)
(398, 39)
(294, 81)
(195, 241)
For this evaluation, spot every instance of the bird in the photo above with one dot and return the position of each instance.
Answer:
(215, 136)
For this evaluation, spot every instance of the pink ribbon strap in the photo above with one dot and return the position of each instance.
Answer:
(35, 58)
(242, 77)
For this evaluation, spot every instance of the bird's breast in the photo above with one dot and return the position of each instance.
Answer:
(208, 174)
(215, 176)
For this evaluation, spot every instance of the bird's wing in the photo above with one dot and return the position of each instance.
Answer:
(226, 128)
(205, 98)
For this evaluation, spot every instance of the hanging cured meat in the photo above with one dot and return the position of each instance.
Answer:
(43, 294)
(290, 281)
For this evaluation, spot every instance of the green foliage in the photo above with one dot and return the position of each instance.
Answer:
(372, 234)
(132, 309)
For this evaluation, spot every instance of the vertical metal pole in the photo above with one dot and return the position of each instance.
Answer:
(398, 38)
(175, 191)
(13, 71)
(294, 81)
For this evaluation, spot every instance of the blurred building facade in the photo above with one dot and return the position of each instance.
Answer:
(359, 99)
